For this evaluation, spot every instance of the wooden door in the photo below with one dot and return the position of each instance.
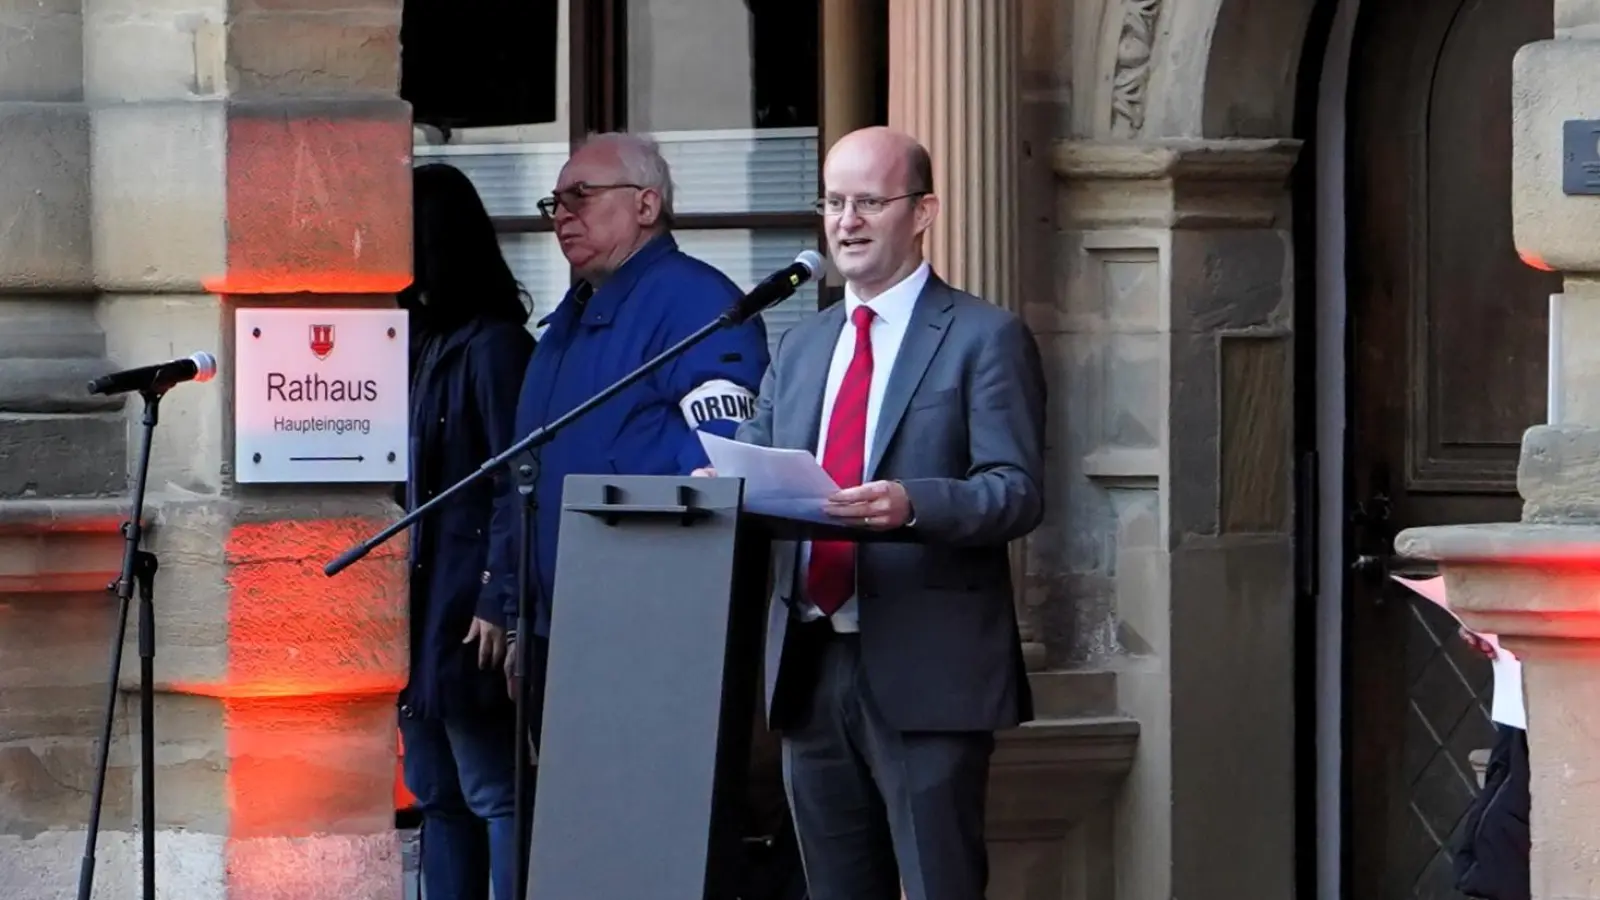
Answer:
(1446, 368)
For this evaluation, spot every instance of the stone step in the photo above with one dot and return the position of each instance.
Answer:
(1074, 693)
(46, 455)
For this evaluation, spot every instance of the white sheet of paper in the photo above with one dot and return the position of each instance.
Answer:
(769, 473)
(1507, 707)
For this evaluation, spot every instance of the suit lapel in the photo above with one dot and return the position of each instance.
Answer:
(930, 321)
(814, 358)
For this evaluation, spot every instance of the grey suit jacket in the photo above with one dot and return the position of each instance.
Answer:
(962, 427)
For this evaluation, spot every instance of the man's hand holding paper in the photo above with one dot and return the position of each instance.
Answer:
(793, 482)
(877, 504)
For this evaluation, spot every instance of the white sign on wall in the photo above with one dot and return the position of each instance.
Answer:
(321, 395)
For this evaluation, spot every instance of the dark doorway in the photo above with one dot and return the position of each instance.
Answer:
(1446, 368)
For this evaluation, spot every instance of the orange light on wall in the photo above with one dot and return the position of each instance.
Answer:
(403, 798)
(318, 202)
(308, 691)
(1533, 261)
(295, 631)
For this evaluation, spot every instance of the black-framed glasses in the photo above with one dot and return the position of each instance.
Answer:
(574, 197)
(864, 206)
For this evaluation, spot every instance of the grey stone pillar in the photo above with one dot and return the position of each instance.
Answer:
(255, 152)
(62, 459)
(1169, 548)
(54, 440)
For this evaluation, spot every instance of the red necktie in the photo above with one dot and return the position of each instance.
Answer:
(832, 575)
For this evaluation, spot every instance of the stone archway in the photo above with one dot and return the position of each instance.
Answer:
(1253, 71)
(1214, 70)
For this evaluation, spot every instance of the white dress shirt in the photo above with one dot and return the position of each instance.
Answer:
(892, 313)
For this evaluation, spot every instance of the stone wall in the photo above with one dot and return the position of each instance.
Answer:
(165, 164)
(1159, 259)
(62, 460)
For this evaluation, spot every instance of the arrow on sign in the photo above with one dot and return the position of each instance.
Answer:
(327, 459)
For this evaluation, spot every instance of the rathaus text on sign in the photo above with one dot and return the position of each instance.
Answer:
(321, 395)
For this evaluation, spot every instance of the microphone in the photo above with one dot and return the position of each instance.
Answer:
(158, 378)
(777, 288)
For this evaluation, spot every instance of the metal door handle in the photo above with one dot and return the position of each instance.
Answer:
(1378, 567)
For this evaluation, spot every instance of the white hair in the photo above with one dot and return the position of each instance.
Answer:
(642, 164)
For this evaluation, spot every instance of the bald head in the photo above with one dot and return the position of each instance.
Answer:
(914, 166)
(879, 202)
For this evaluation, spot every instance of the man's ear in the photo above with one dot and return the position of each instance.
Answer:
(649, 207)
(927, 210)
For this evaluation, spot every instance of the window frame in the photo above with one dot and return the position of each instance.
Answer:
(597, 101)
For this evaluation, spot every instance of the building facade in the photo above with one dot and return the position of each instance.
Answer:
(1289, 262)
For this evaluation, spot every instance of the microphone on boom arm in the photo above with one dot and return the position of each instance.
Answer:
(776, 288)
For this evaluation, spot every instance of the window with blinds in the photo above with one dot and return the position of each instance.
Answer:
(729, 88)
(748, 171)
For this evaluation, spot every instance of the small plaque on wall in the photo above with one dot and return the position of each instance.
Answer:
(1580, 157)
(321, 395)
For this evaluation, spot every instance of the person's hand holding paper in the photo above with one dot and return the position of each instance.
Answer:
(786, 483)
(876, 504)
(791, 483)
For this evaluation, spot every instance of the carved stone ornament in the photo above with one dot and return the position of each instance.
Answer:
(1132, 73)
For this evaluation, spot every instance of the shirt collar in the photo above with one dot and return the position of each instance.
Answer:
(602, 302)
(895, 304)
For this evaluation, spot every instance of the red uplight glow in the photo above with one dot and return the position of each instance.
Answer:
(319, 203)
(1533, 261)
(308, 693)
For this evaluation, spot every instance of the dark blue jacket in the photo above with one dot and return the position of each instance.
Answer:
(463, 405)
(658, 297)
(1492, 849)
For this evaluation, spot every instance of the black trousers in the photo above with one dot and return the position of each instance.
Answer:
(876, 808)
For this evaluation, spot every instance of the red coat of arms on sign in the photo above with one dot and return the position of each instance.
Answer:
(321, 341)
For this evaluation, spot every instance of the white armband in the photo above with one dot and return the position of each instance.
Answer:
(718, 399)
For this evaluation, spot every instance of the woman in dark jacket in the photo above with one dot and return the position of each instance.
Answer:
(470, 348)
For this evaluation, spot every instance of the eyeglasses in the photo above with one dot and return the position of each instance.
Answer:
(864, 206)
(573, 198)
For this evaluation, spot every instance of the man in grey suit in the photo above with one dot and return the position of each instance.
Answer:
(890, 665)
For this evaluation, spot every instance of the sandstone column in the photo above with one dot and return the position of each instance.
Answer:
(62, 459)
(1537, 583)
(1170, 346)
(953, 85)
(55, 440)
(254, 152)
(847, 68)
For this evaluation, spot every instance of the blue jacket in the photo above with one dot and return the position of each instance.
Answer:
(463, 405)
(659, 296)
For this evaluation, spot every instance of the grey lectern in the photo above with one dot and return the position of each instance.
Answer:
(656, 640)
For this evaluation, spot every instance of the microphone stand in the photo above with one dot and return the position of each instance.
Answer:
(526, 474)
(138, 567)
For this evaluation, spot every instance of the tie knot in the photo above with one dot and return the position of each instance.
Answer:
(862, 317)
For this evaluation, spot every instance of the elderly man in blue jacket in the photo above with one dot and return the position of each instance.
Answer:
(637, 294)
